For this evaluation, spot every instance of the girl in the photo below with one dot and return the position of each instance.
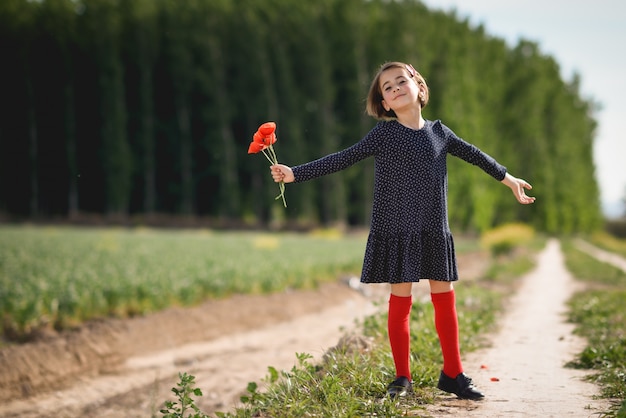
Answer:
(410, 237)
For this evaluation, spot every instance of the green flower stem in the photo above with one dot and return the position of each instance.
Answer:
(270, 154)
(268, 157)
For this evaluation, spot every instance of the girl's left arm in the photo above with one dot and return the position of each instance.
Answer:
(473, 155)
(517, 186)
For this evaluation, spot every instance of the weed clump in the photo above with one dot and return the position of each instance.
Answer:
(185, 406)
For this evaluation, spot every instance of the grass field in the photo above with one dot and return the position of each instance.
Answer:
(600, 315)
(609, 243)
(59, 277)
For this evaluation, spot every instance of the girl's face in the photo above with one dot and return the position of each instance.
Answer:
(399, 89)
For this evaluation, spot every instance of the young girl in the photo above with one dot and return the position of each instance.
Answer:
(410, 237)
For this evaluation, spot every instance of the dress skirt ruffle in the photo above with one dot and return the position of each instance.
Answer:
(409, 258)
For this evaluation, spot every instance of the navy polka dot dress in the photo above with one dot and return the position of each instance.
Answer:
(409, 237)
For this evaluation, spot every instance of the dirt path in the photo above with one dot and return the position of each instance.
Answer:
(226, 344)
(527, 355)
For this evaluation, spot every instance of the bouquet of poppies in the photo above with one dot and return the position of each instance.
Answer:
(262, 141)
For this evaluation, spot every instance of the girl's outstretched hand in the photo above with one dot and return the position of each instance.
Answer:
(518, 186)
(282, 173)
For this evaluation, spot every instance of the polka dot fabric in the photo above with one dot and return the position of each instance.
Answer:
(409, 237)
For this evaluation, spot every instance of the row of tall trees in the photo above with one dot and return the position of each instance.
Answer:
(131, 107)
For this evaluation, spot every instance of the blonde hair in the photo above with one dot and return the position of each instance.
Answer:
(374, 106)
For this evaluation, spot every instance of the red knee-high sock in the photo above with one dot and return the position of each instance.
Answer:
(447, 325)
(399, 337)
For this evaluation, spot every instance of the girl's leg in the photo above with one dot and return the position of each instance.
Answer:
(447, 325)
(452, 378)
(400, 302)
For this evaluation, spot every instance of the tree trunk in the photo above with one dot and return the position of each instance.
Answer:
(70, 150)
(183, 118)
(32, 150)
(147, 138)
(229, 190)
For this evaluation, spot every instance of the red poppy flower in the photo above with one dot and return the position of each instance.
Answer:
(258, 137)
(262, 139)
(267, 128)
(270, 139)
(255, 147)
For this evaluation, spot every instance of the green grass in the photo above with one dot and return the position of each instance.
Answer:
(352, 380)
(600, 316)
(609, 243)
(59, 277)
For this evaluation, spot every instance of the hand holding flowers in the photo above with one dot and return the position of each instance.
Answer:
(262, 141)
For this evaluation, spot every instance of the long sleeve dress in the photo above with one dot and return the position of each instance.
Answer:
(409, 237)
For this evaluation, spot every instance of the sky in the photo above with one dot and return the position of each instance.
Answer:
(585, 38)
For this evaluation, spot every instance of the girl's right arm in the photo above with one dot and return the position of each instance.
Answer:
(331, 163)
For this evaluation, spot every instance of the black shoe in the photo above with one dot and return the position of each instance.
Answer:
(400, 387)
(461, 386)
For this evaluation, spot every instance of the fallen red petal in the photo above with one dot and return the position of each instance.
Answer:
(495, 379)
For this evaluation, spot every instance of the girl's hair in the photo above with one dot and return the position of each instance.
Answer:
(374, 106)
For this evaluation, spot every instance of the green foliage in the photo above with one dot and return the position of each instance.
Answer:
(505, 238)
(587, 268)
(610, 242)
(506, 270)
(600, 317)
(346, 384)
(59, 277)
(148, 107)
(186, 407)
